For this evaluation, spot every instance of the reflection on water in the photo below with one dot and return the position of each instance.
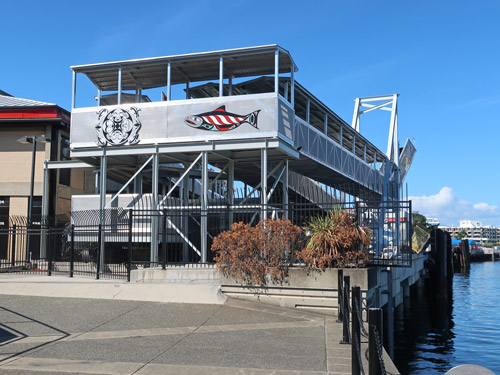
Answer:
(432, 334)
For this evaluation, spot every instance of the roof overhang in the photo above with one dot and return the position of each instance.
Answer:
(152, 72)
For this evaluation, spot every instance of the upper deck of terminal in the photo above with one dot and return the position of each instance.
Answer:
(290, 122)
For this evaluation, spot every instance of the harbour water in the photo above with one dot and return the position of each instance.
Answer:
(432, 335)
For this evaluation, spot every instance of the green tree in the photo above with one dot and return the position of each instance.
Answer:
(460, 235)
(419, 221)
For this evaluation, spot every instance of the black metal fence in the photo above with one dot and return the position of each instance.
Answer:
(112, 242)
(353, 329)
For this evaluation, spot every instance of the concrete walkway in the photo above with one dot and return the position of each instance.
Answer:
(94, 332)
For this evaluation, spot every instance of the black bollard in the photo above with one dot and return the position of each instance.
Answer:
(356, 330)
(375, 338)
(340, 291)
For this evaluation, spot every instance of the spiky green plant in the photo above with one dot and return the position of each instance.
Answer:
(336, 240)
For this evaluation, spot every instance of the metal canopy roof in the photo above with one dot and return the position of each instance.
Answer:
(152, 72)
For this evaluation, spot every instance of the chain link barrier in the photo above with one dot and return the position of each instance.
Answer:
(358, 346)
(380, 351)
(360, 321)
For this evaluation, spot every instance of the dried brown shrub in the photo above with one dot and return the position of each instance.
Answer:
(255, 255)
(336, 240)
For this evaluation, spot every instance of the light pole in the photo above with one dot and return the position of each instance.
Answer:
(31, 140)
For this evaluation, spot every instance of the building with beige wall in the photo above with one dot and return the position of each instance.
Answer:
(27, 118)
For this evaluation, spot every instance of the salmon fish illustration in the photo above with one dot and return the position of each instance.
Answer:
(220, 120)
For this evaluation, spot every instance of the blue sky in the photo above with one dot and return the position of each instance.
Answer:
(442, 57)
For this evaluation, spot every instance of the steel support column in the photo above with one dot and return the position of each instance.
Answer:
(277, 71)
(73, 90)
(204, 207)
(154, 203)
(285, 190)
(102, 203)
(263, 182)
(221, 76)
(185, 218)
(169, 82)
(230, 190)
(119, 98)
(45, 210)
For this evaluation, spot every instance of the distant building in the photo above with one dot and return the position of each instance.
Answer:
(476, 231)
(432, 221)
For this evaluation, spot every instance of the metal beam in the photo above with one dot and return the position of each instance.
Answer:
(169, 83)
(230, 189)
(73, 91)
(285, 189)
(102, 202)
(204, 206)
(180, 179)
(154, 200)
(130, 180)
(263, 182)
(212, 183)
(372, 107)
(119, 98)
(63, 164)
(276, 71)
(221, 76)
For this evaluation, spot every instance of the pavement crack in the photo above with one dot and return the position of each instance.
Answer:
(178, 341)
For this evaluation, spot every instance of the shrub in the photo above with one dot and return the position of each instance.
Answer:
(255, 255)
(336, 240)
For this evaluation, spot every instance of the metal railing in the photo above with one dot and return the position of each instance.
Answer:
(353, 328)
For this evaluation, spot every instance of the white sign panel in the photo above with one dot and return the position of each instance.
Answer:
(236, 117)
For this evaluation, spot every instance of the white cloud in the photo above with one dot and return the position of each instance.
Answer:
(449, 210)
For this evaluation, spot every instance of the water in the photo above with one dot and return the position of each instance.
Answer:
(433, 335)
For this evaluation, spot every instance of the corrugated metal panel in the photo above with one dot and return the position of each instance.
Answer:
(10, 101)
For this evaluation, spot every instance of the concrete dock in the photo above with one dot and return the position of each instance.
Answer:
(82, 326)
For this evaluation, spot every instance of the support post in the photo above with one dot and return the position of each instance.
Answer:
(292, 87)
(98, 97)
(129, 249)
(375, 338)
(163, 239)
(185, 215)
(154, 206)
(72, 251)
(45, 210)
(204, 207)
(325, 130)
(340, 295)
(341, 135)
(263, 182)
(100, 252)
(390, 314)
(30, 202)
(119, 98)
(73, 90)
(356, 330)
(277, 71)
(169, 82)
(230, 190)
(221, 76)
(230, 85)
(308, 111)
(345, 313)
(102, 204)
(285, 190)
(13, 246)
